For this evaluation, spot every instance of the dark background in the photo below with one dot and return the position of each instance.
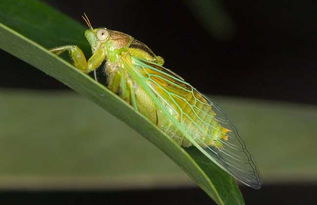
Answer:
(274, 194)
(270, 53)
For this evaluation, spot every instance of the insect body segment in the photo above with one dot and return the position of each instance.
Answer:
(137, 75)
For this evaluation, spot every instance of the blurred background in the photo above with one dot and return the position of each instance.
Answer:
(257, 59)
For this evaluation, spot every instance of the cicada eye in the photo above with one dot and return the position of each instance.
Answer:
(102, 34)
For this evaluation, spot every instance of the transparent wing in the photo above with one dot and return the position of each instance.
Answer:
(201, 121)
(234, 156)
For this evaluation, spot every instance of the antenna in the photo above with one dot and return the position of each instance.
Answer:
(86, 19)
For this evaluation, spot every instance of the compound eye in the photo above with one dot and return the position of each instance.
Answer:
(102, 34)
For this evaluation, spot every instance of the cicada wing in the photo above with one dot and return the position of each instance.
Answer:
(197, 119)
(234, 155)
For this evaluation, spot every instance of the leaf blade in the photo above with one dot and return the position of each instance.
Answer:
(215, 185)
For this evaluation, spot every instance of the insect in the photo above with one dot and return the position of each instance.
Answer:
(136, 74)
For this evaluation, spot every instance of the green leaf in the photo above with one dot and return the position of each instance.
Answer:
(29, 27)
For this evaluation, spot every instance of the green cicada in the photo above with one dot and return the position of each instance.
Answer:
(137, 75)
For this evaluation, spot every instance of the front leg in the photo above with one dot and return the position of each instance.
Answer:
(79, 59)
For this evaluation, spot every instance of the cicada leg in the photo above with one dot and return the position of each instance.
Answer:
(79, 59)
(132, 94)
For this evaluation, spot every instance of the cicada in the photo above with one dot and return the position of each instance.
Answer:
(137, 75)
